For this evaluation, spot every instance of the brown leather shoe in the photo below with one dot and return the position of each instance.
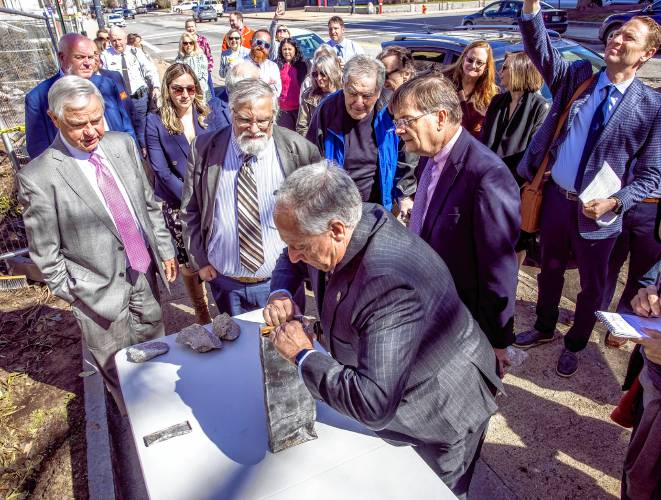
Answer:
(613, 341)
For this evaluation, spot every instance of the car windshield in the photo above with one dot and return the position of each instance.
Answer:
(308, 43)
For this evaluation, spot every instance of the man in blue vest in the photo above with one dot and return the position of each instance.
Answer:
(77, 56)
(348, 129)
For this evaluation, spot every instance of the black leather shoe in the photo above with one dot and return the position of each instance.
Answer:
(567, 363)
(532, 338)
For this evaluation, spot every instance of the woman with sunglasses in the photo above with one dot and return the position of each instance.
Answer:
(191, 54)
(474, 77)
(293, 71)
(184, 115)
(234, 54)
(326, 79)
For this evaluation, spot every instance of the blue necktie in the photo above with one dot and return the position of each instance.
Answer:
(596, 127)
(338, 47)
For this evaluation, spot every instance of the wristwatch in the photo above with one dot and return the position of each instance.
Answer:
(618, 207)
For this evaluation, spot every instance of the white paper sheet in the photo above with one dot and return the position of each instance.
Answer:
(604, 184)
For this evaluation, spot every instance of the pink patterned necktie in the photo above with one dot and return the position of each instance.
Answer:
(136, 250)
(415, 224)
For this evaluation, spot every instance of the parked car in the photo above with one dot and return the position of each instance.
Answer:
(184, 6)
(115, 20)
(306, 40)
(606, 3)
(507, 12)
(205, 13)
(128, 13)
(613, 22)
(141, 9)
(443, 49)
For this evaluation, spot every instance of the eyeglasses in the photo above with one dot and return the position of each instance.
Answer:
(317, 74)
(476, 62)
(178, 90)
(103, 38)
(244, 122)
(187, 43)
(262, 43)
(282, 30)
(238, 38)
(403, 123)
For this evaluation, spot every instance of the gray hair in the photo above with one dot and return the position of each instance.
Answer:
(71, 92)
(247, 91)
(428, 94)
(238, 72)
(363, 66)
(118, 31)
(323, 50)
(318, 194)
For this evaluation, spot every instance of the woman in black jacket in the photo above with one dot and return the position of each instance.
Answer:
(514, 116)
(512, 119)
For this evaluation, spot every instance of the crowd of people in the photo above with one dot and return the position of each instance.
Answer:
(392, 189)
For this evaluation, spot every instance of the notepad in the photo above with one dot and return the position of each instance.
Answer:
(628, 325)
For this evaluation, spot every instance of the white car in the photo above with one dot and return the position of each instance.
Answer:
(184, 6)
(116, 20)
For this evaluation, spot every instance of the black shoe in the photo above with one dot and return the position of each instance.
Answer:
(532, 338)
(567, 363)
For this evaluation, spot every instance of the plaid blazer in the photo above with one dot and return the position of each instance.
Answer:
(630, 142)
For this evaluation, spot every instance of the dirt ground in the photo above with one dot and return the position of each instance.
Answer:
(42, 417)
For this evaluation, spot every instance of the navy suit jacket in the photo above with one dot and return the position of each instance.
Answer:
(123, 94)
(40, 131)
(408, 360)
(473, 223)
(168, 153)
(630, 141)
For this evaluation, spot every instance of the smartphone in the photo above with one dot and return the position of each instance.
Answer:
(281, 6)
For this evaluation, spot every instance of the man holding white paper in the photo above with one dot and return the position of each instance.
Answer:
(613, 129)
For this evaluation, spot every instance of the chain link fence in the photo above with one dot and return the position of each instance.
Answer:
(28, 55)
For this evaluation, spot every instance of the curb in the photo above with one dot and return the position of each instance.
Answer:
(100, 478)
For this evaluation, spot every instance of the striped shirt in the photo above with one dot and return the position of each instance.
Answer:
(223, 246)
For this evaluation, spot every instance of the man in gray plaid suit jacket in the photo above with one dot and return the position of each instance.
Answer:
(616, 124)
(406, 358)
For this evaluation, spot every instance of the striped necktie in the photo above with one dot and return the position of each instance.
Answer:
(251, 251)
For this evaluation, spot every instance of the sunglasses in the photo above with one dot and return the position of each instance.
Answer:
(283, 30)
(316, 74)
(477, 62)
(235, 38)
(104, 38)
(187, 43)
(178, 90)
(262, 43)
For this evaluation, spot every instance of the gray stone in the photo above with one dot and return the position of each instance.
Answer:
(290, 408)
(198, 338)
(225, 327)
(140, 353)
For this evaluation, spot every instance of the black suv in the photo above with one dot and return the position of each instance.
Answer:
(443, 49)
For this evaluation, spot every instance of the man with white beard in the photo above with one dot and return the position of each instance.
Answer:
(228, 198)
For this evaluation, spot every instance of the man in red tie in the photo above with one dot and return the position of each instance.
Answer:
(94, 228)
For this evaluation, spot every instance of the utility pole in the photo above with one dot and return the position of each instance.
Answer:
(98, 12)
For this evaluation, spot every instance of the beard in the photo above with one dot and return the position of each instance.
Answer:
(252, 145)
(258, 55)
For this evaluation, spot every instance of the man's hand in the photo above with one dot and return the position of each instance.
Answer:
(646, 303)
(290, 339)
(208, 273)
(503, 361)
(170, 267)
(596, 208)
(405, 208)
(280, 309)
(531, 6)
(652, 345)
(278, 13)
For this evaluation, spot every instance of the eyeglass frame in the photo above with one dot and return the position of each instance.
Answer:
(403, 123)
(261, 43)
(245, 123)
(180, 90)
(478, 64)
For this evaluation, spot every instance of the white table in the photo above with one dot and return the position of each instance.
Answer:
(220, 393)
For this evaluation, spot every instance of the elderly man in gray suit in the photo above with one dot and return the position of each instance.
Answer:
(406, 358)
(228, 198)
(94, 228)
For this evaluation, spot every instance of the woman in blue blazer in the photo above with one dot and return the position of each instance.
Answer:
(184, 115)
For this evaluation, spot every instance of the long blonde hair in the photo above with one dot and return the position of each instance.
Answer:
(485, 87)
(168, 112)
(188, 37)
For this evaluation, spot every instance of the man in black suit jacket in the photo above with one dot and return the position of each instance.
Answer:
(466, 206)
(406, 358)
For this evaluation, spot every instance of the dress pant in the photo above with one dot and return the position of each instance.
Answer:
(559, 239)
(234, 297)
(637, 241)
(140, 320)
(454, 463)
(139, 117)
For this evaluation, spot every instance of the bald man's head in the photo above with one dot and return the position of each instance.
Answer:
(77, 55)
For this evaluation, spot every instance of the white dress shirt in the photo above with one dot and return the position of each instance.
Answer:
(89, 172)
(269, 73)
(223, 249)
(137, 65)
(346, 49)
